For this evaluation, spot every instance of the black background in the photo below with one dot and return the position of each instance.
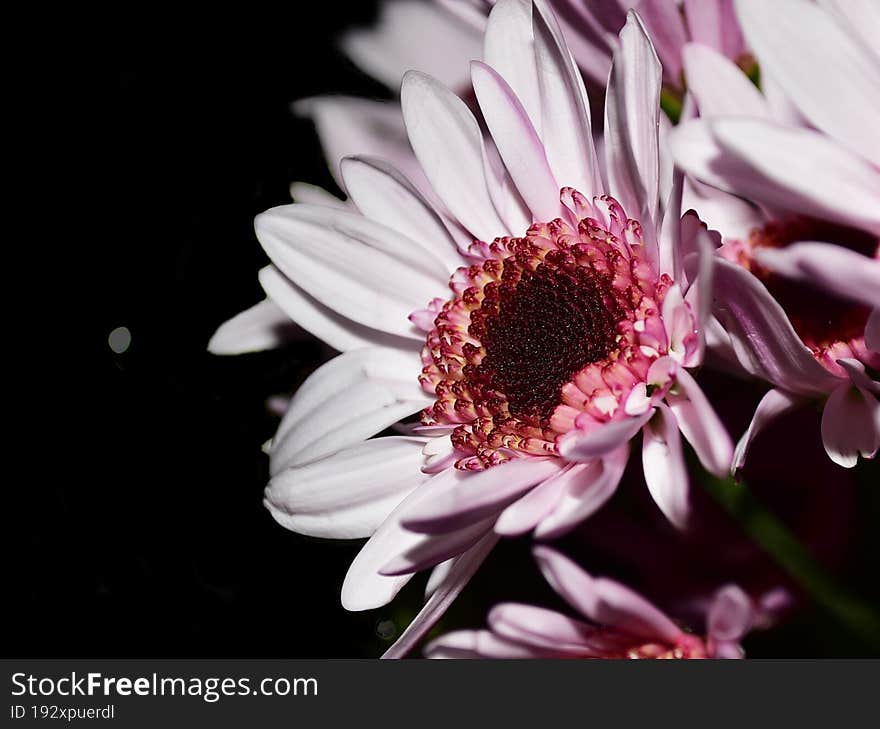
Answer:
(142, 531)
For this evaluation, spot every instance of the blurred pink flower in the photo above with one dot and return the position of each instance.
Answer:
(528, 405)
(799, 274)
(622, 623)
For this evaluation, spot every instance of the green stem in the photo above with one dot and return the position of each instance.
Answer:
(778, 541)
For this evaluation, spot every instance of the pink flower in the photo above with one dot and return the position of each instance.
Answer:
(799, 274)
(622, 624)
(553, 344)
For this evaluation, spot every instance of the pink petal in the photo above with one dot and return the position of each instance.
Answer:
(604, 601)
(383, 194)
(437, 548)
(449, 146)
(850, 425)
(587, 445)
(479, 644)
(859, 18)
(339, 332)
(262, 326)
(349, 494)
(566, 128)
(360, 269)
(825, 73)
(414, 35)
(525, 513)
(836, 269)
(469, 497)
(508, 33)
(730, 616)
(664, 467)
(459, 574)
(713, 23)
(541, 628)
(664, 21)
(584, 495)
(345, 401)
(772, 405)
(632, 109)
(777, 165)
(517, 142)
(700, 424)
(762, 335)
(720, 86)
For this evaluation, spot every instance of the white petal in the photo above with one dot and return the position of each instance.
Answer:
(794, 169)
(719, 86)
(349, 399)
(566, 129)
(447, 141)
(360, 269)
(665, 469)
(263, 326)
(383, 194)
(349, 494)
(417, 35)
(517, 142)
(833, 80)
(339, 332)
(860, 18)
(508, 47)
(850, 425)
(460, 571)
(303, 192)
(632, 110)
(774, 404)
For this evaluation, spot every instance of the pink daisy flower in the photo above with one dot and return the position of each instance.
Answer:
(622, 623)
(798, 278)
(567, 327)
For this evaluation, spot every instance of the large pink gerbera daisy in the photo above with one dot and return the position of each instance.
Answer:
(622, 624)
(798, 275)
(566, 328)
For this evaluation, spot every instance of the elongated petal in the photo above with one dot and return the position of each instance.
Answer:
(860, 18)
(587, 445)
(417, 35)
(566, 128)
(517, 142)
(713, 23)
(360, 269)
(447, 141)
(701, 426)
(542, 628)
(774, 404)
(602, 600)
(665, 470)
(584, 495)
(479, 644)
(339, 332)
(383, 194)
(365, 587)
(719, 85)
(304, 192)
(345, 401)
(262, 326)
(461, 569)
(524, 513)
(437, 548)
(508, 48)
(836, 269)
(850, 425)
(632, 110)
(663, 20)
(472, 496)
(762, 335)
(794, 169)
(834, 81)
(349, 494)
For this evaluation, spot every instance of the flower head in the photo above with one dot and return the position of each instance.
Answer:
(622, 624)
